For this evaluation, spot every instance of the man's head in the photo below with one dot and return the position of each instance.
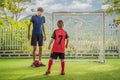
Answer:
(40, 10)
(60, 24)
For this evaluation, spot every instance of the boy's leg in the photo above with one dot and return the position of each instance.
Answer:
(49, 65)
(62, 57)
(62, 67)
(52, 57)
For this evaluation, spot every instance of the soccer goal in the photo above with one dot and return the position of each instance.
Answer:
(86, 35)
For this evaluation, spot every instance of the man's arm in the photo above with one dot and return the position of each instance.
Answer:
(29, 30)
(44, 34)
(51, 41)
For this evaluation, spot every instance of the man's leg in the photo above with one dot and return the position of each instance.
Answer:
(40, 53)
(34, 53)
(34, 44)
(40, 43)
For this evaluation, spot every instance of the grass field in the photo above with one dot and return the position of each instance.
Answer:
(19, 69)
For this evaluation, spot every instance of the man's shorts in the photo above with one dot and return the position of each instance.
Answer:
(37, 39)
(55, 55)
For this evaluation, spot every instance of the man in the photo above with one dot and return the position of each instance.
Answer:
(38, 33)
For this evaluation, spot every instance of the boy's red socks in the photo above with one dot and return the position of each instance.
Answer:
(62, 66)
(50, 64)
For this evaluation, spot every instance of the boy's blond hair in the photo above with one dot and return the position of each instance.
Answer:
(60, 23)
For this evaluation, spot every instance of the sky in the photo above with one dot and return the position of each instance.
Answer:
(67, 5)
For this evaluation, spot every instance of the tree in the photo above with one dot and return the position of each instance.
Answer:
(1, 8)
(13, 7)
(114, 6)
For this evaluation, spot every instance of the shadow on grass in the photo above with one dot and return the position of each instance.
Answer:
(110, 75)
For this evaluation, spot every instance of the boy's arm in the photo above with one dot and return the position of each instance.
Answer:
(44, 34)
(67, 41)
(51, 41)
(29, 30)
(53, 37)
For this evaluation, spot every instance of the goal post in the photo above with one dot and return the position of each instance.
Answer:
(86, 31)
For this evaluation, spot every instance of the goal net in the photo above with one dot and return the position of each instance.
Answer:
(86, 34)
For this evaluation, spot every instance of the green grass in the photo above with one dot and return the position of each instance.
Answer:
(19, 69)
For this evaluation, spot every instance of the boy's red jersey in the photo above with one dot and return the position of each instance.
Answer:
(60, 36)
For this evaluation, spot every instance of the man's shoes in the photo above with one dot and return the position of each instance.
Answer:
(32, 65)
(42, 65)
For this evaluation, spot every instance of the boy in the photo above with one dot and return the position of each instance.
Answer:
(60, 39)
(38, 33)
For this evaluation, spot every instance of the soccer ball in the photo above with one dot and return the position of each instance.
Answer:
(37, 63)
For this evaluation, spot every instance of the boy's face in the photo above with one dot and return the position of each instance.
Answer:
(39, 13)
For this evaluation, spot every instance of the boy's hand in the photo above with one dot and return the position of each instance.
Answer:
(28, 36)
(49, 47)
(66, 46)
(44, 38)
